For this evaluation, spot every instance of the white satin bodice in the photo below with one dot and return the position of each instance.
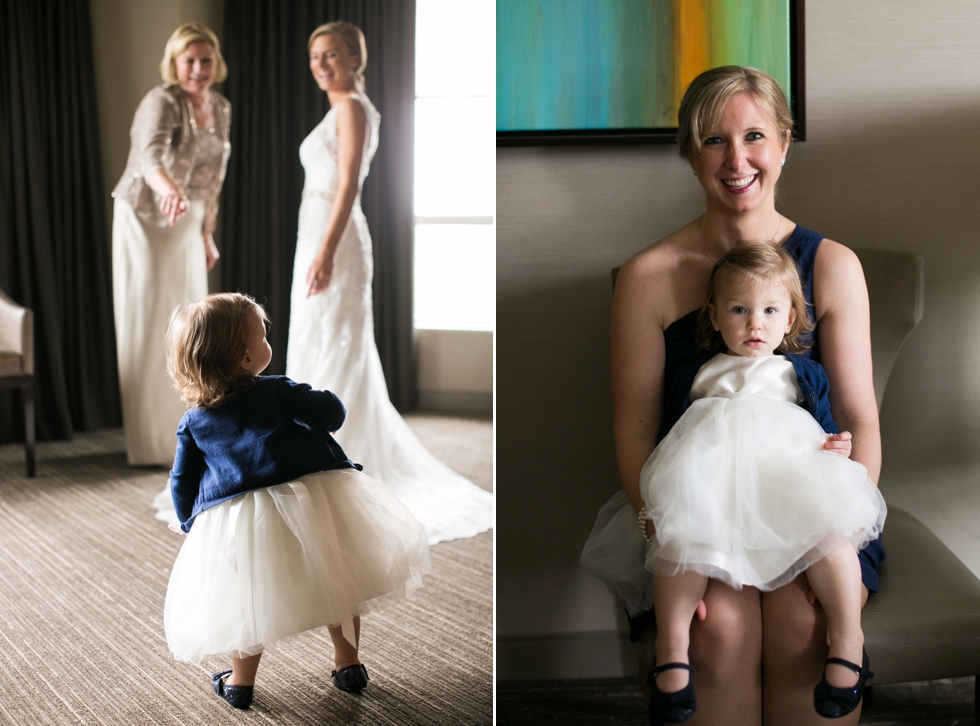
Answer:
(728, 376)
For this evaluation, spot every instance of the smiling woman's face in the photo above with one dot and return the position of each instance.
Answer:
(741, 157)
(196, 67)
(332, 64)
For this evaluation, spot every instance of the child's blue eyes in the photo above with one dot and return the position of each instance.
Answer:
(739, 310)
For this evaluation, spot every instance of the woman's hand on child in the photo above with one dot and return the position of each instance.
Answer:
(839, 443)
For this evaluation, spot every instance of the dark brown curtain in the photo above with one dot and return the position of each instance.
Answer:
(275, 104)
(54, 242)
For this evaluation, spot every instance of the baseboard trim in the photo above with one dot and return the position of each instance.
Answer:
(467, 403)
(565, 655)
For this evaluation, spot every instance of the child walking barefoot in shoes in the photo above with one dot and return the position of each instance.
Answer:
(749, 487)
(284, 532)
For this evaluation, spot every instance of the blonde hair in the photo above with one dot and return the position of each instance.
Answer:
(705, 100)
(188, 34)
(352, 37)
(206, 343)
(764, 263)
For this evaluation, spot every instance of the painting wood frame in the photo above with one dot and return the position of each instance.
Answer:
(652, 135)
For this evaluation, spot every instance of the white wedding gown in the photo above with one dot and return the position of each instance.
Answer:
(331, 346)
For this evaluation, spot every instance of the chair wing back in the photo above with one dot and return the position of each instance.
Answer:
(17, 332)
(896, 289)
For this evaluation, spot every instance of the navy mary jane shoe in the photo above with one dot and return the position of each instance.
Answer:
(671, 707)
(351, 678)
(237, 696)
(833, 702)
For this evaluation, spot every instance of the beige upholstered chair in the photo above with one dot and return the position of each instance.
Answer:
(17, 363)
(924, 623)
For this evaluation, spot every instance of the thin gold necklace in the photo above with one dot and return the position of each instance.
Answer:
(704, 247)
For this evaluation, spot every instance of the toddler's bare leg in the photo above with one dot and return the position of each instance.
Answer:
(243, 670)
(836, 581)
(344, 653)
(675, 599)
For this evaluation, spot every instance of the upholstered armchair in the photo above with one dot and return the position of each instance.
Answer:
(924, 623)
(17, 363)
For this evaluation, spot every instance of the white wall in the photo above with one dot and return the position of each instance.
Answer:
(455, 371)
(893, 124)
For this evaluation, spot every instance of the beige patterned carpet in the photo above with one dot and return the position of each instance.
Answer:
(84, 573)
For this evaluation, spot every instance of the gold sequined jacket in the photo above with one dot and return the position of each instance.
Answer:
(163, 136)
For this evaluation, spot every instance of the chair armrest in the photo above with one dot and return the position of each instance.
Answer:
(924, 623)
(17, 331)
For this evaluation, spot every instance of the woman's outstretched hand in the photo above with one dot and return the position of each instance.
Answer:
(319, 275)
(174, 205)
(839, 443)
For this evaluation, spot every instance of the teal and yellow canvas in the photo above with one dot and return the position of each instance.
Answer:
(624, 64)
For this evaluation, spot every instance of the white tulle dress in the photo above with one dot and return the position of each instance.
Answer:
(283, 559)
(331, 346)
(739, 490)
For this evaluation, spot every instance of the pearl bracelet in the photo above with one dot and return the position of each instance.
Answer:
(641, 520)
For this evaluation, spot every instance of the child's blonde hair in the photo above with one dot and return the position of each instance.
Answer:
(206, 343)
(766, 263)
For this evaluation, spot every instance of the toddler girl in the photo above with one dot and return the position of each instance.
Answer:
(284, 533)
(741, 488)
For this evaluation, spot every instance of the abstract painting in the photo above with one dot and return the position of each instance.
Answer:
(599, 71)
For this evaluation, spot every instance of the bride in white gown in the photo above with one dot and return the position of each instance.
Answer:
(331, 328)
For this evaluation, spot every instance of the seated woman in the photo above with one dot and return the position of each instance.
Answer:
(735, 131)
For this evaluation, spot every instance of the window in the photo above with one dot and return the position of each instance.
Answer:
(455, 153)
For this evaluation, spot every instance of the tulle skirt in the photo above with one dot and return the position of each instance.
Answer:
(615, 553)
(740, 490)
(287, 558)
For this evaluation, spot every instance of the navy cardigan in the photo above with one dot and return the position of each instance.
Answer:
(272, 432)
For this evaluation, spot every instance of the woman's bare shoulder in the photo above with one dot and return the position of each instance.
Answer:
(836, 252)
(836, 262)
(662, 258)
(647, 283)
(349, 108)
(838, 279)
